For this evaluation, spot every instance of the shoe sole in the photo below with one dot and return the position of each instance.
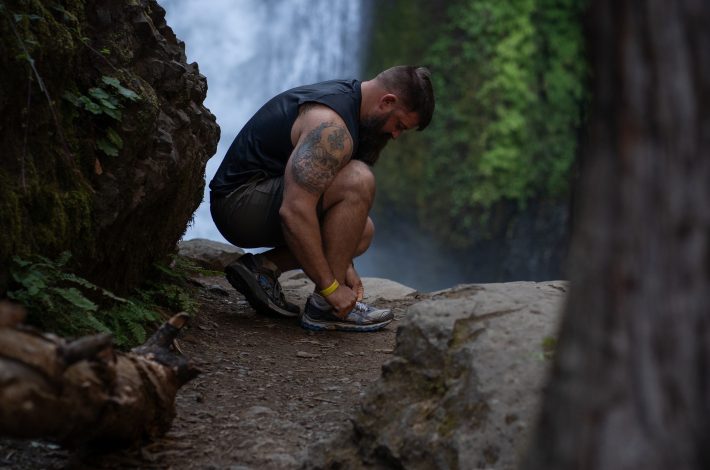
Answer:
(313, 325)
(243, 281)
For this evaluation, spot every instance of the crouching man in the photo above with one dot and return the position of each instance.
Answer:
(298, 178)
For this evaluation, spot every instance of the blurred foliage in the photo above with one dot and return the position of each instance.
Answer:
(61, 302)
(510, 80)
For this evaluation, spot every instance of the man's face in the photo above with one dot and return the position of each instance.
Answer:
(376, 131)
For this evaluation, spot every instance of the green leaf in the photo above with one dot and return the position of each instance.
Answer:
(108, 104)
(114, 113)
(76, 298)
(129, 94)
(106, 147)
(111, 81)
(123, 91)
(98, 93)
(63, 259)
(32, 281)
(20, 262)
(96, 324)
(115, 139)
(137, 331)
(89, 105)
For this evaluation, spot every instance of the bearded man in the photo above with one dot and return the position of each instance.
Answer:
(297, 178)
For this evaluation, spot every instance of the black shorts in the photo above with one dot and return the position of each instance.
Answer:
(248, 217)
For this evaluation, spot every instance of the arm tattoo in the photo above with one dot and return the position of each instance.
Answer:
(317, 160)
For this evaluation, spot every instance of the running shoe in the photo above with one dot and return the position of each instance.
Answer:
(260, 286)
(319, 315)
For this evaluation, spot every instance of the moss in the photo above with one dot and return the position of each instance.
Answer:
(473, 415)
(510, 84)
(45, 199)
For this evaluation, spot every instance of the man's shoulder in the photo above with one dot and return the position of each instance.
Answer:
(313, 114)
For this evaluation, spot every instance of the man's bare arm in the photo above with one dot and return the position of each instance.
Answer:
(318, 158)
(323, 147)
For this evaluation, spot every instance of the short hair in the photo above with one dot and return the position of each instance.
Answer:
(412, 84)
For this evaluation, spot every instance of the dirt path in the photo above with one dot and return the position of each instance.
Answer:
(267, 391)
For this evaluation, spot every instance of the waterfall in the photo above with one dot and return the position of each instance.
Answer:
(250, 50)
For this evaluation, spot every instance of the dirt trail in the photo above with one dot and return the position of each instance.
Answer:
(267, 391)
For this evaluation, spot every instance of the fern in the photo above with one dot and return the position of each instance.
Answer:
(64, 303)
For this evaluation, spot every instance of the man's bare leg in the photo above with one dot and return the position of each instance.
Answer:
(346, 230)
(285, 261)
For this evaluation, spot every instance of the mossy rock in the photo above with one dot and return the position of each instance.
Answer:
(86, 166)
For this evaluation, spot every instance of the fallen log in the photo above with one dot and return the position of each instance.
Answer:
(84, 392)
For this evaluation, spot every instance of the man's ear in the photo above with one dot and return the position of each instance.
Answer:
(387, 101)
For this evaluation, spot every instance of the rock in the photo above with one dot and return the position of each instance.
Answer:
(119, 180)
(383, 289)
(306, 355)
(463, 385)
(209, 254)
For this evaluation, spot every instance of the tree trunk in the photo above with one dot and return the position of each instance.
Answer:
(630, 388)
(82, 392)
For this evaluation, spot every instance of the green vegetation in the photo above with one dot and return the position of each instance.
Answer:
(105, 100)
(61, 302)
(510, 81)
(549, 346)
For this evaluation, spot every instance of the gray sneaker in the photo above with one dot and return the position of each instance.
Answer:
(260, 286)
(318, 315)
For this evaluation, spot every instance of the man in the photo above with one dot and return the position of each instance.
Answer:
(297, 178)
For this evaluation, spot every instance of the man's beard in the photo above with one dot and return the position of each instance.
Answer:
(372, 139)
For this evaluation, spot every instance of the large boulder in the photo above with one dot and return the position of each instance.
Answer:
(104, 135)
(463, 386)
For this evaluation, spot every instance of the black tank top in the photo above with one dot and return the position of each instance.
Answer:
(263, 146)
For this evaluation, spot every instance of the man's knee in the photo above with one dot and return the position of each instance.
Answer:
(367, 235)
(355, 182)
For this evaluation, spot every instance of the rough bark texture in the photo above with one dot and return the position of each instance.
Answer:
(631, 385)
(82, 392)
(60, 188)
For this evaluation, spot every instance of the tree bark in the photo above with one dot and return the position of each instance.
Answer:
(630, 388)
(82, 392)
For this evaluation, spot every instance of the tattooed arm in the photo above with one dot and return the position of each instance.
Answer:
(322, 147)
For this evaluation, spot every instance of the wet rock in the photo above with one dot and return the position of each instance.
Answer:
(462, 387)
(209, 254)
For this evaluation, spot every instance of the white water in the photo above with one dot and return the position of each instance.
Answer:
(250, 50)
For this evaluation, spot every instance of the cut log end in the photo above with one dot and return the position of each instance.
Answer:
(83, 392)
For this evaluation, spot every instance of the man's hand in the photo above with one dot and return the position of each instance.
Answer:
(342, 300)
(353, 281)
